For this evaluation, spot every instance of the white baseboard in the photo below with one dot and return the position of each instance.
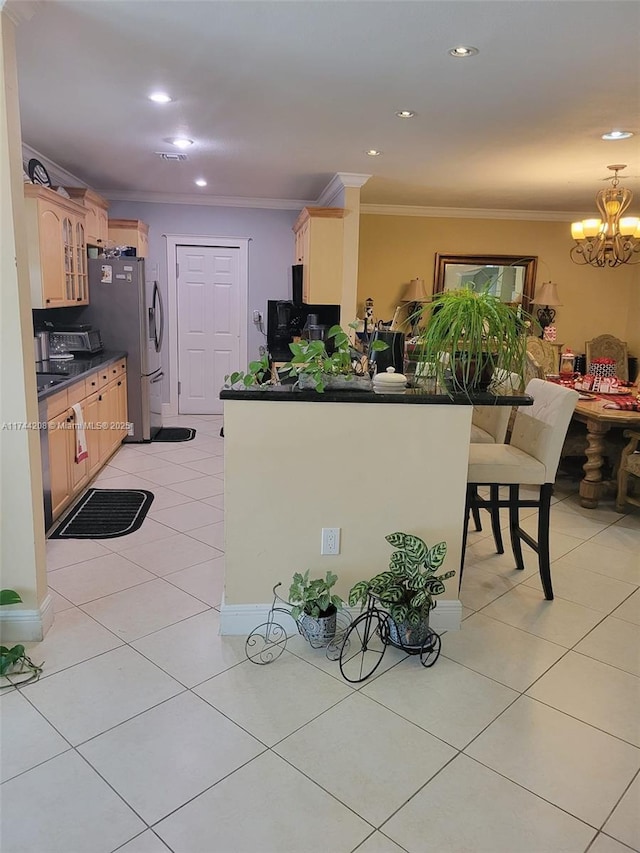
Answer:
(241, 619)
(26, 626)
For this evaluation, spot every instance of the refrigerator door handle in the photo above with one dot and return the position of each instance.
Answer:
(157, 378)
(158, 309)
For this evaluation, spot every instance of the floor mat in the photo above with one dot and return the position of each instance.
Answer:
(175, 434)
(105, 514)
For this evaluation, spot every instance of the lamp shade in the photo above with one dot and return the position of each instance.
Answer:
(416, 292)
(547, 294)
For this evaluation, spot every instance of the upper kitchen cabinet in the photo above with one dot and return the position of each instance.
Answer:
(97, 222)
(57, 248)
(130, 232)
(319, 248)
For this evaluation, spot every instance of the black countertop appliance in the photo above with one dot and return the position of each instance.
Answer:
(286, 319)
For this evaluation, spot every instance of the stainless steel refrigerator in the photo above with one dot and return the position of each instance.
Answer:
(128, 311)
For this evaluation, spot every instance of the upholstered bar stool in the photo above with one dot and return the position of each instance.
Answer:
(530, 459)
(489, 426)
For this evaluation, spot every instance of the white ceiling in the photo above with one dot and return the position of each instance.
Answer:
(279, 96)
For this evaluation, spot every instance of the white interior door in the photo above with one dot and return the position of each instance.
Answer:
(208, 289)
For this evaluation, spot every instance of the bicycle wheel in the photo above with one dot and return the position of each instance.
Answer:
(364, 646)
(430, 651)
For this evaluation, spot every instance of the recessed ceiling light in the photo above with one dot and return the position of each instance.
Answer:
(462, 51)
(180, 141)
(373, 152)
(617, 134)
(405, 114)
(160, 97)
(201, 182)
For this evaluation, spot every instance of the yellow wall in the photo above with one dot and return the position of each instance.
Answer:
(395, 249)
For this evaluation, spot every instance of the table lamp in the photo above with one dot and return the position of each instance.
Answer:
(547, 296)
(415, 295)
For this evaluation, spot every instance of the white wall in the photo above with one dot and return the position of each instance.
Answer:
(271, 250)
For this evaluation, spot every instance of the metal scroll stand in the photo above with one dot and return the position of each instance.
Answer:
(266, 643)
(367, 638)
(358, 646)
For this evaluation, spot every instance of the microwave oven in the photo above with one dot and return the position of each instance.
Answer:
(63, 342)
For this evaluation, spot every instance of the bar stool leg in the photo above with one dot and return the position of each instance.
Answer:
(494, 492)
(514, 525)
(544, 561)
(465, 525)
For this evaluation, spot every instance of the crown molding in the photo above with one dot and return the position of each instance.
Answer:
(59, 176)
(337, 184)
(469, 213)
(204, 200)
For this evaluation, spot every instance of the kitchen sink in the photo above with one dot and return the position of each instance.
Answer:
(45, 381)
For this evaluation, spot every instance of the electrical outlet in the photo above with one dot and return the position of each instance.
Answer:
(330, 543)
(257, 317)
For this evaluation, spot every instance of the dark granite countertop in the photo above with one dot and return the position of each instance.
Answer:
(286, 393)
(49, 373)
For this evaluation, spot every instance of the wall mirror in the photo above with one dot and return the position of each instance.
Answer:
(509, 277)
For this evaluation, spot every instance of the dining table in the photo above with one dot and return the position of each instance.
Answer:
(599, 419)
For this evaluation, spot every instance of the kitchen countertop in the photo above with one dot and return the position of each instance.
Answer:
(60, 374)
(286, 393)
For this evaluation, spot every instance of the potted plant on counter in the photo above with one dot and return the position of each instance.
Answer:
(407, 589)
(345, 368)
(470, 336)
(313, 367)
(258, 375)
(314, 607)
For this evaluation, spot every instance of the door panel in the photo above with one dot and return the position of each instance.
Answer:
(208, 325)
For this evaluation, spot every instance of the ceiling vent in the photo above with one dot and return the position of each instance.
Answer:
(170, 155)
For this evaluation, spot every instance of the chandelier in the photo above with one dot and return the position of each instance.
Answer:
(614, 239)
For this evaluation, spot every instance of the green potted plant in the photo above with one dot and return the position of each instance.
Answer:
(313, 367)
(407, 589)
(470, 336)
(14, 660)
(314, 607)
(258, 374)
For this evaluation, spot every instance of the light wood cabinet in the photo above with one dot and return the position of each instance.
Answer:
(130, 232)
(319, 248)
(103, 397)
(97, 221)
(56, 248)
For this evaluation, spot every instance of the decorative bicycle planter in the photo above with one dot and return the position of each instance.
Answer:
(368, 636)
(268, 640)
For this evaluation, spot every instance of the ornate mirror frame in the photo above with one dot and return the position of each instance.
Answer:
(527, 264)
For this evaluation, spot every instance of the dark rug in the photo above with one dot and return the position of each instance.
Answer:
(105, 514)
(175, 434)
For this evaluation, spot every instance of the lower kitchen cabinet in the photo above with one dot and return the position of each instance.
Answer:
(60, 437)
(104, 412)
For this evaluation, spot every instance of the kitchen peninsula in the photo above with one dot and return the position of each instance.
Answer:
(369, 464)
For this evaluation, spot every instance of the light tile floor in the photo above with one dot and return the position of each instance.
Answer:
(149, 732)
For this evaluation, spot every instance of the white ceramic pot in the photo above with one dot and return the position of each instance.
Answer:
(389, 382)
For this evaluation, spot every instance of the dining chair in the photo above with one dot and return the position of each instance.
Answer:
(532, 369)
(629, 464)
(544, 353)
(531, 459)
(608, 346)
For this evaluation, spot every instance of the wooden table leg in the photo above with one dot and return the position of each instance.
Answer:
(591, 484)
